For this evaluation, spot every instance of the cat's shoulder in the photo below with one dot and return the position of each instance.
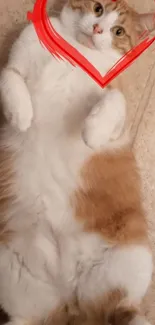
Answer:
(29, 34)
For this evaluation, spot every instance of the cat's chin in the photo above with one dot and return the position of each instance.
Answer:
(85, 40)
(93, 42)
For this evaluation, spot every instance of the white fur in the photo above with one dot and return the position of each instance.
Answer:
(101, 123)
(14, 98)
(50, 257)
(139, 320)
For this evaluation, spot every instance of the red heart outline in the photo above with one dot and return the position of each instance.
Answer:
(59, 48)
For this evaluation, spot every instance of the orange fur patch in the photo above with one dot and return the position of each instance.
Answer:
(109, 201)
(108, 310)
(127, 18)
(94, 313)
(59, 316)
(122, 316)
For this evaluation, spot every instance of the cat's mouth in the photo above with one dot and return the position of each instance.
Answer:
(85, 40)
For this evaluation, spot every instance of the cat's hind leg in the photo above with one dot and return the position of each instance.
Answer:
(116, 286)
(59, 316)
(29, 285)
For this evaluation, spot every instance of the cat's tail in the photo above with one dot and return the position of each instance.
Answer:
(16, 99)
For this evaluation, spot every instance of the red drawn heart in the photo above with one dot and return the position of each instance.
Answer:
(59, 48)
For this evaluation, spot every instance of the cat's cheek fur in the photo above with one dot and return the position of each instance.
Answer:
(86, 23)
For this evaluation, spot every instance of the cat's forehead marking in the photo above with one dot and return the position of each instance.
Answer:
(111, 18)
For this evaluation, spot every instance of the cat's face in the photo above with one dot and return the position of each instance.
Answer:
(108, 24)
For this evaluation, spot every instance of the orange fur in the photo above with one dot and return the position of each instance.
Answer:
(109, 203)
(128, 18)
(60, 316)
(103, 311)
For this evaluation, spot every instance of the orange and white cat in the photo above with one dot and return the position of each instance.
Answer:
(72, 227)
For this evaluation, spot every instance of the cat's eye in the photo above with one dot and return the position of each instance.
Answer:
(98, 9)
(118, 31)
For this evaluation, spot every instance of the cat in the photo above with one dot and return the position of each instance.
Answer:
(73, 235)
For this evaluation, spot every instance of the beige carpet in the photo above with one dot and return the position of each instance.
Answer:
(139, 84)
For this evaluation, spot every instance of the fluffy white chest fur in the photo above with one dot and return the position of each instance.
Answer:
(51, 258)
(61, 97)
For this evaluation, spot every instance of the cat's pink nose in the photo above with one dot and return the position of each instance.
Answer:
(97, 29)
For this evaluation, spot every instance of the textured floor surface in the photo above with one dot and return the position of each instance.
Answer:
(139, 85)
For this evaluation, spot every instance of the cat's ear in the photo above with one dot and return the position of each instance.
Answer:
(147, 21)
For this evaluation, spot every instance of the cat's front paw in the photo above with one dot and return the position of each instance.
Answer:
(16, 99)
(94, 134)
(106, 121)
(20, 118)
